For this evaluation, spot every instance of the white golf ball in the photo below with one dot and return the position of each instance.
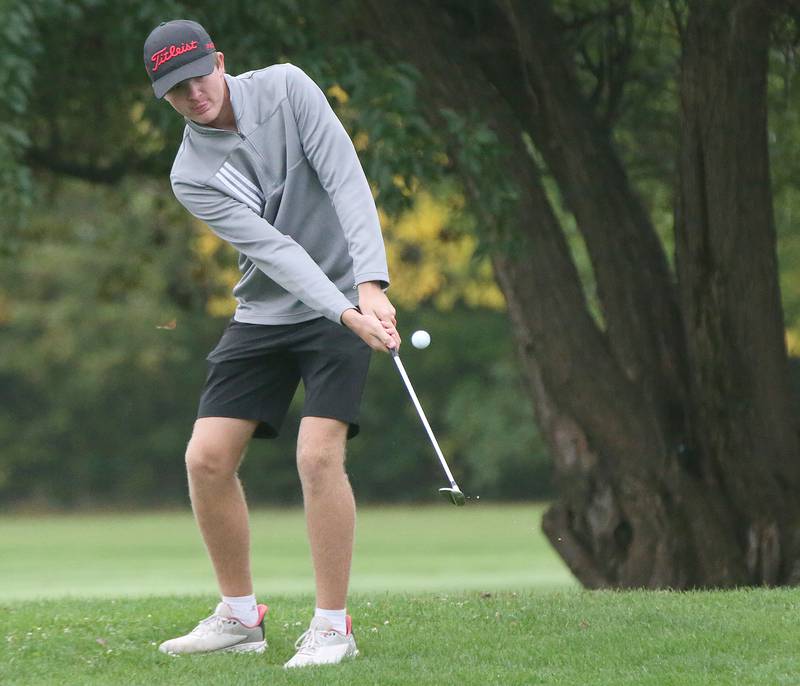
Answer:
(420, 339)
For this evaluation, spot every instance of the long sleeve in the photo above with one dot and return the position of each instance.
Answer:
(330, 152)
(275, 254)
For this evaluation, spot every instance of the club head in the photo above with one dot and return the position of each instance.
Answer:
(454, 495)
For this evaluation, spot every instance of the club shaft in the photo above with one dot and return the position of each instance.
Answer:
(424, 419)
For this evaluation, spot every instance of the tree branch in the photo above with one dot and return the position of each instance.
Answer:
(621, 52)
(679, 12)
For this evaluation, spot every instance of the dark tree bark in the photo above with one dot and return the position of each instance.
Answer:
(676, 454)
(740, 396)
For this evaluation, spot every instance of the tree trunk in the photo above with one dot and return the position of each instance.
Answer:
(727, 265)
(640, 421)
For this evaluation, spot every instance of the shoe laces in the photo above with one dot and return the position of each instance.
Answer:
(308, 640)
(215, 624)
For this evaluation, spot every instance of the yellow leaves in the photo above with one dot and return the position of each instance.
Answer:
(217, 259)
(221, 306)
(789, 274)
(406, 189)
(224, 304)
(361, 141)
(151, 138)
(793, 341)
(424, 223)
(347, 115)
(430, 261)
(137, 117)
(207, 244)
(477, 295)
(338, 93)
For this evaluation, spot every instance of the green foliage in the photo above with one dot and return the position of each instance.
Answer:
(16, 78)
(481, 156)
(490, 429)
(96, 392)
(784, 141)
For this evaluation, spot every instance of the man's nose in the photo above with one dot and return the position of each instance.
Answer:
(192, 90)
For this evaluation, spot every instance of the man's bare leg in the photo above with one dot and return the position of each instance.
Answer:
(212, 460)
(329, 505)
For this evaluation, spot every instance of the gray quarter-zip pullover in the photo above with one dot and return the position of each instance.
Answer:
(287, 191)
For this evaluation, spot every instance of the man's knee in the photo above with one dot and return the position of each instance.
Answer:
(208, 460)
(216, 447)
(320, 452)
(316, 464)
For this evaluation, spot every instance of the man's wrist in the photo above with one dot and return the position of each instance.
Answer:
(348, 315)
(366, 285)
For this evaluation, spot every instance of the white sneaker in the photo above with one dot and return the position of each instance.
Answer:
(220, 632)
(322, 645)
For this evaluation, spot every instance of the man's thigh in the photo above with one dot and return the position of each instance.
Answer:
(251, 376)
(333, 363)
(322, 435)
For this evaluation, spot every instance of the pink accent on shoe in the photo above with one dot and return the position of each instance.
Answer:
(262, 612)
(349, 624)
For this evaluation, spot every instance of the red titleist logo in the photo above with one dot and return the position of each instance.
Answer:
(166, 54)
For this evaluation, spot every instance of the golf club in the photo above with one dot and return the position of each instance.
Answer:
(453, 494)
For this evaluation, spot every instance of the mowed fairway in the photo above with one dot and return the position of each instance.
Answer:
(436, 547)
(440, 596)
(564, 638)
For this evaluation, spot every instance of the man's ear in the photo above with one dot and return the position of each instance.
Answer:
(220, 61)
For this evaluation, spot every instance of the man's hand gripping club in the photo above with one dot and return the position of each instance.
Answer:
(376, 323)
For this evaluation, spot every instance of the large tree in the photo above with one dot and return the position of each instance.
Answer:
(669, 416)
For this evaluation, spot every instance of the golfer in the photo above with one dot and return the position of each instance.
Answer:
(267, 165)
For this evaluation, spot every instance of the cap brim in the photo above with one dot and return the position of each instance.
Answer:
(199, 67)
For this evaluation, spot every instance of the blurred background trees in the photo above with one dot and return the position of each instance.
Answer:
(548, 143)
(111, 294)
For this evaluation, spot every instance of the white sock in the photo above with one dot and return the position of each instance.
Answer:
(338, 618)
(243, 608)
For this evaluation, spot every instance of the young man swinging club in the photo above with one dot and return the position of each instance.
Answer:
(267, 165)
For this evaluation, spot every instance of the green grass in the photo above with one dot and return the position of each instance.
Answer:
(430, 548)
(554, 637)
(441, 596)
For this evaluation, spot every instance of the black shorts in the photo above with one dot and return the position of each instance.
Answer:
(254, 371)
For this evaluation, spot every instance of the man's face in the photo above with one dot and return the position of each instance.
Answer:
(200, 99)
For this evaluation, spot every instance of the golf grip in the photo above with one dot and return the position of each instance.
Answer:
(401, 369)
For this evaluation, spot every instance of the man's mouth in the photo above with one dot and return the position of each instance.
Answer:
(200, 109)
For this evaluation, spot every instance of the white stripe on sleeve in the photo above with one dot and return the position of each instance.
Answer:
(241, 177)
(239, 195)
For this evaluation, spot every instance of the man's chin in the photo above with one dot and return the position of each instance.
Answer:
(207, 118)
